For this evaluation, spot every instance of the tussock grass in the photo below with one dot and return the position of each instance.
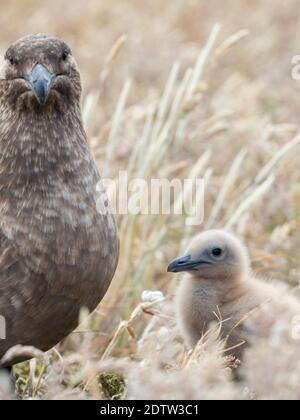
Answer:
(179, 96)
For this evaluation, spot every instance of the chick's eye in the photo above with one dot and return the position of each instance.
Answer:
(217, 252)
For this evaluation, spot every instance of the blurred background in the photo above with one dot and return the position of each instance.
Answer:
(169, 94)
(160, 32)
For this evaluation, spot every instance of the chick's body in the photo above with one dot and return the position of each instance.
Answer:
(217, 286)
(198, 307)
(58, 250)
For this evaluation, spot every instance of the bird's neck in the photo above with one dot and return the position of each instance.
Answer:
(44, 162)
(37, 148)
(43, 134)
(217, 291)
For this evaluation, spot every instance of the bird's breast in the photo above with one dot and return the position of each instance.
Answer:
(63, 237)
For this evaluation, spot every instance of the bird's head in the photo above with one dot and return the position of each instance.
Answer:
(40, 72)
(214, 255)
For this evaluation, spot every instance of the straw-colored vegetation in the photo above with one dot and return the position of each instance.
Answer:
(179, 89)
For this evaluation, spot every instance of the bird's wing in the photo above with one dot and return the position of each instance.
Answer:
(9, 259)
(11, 271)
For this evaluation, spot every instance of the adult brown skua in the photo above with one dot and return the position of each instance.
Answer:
(58, 240)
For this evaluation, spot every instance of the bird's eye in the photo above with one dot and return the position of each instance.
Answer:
(12, 61)
(65, 55)
(217, 252)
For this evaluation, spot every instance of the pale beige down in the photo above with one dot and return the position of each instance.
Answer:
(217, 285)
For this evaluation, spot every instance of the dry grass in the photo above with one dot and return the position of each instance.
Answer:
(168, 93)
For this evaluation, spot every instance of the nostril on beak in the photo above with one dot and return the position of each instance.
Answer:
(179, 264)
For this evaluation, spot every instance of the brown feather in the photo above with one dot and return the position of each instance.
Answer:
(57, 252)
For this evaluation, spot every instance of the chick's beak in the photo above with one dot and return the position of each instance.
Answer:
(180, 264)
(41, 82)
(187, 263)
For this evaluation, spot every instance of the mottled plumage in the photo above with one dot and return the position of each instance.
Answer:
(57, 252)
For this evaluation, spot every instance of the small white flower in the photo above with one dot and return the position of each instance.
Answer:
(152, 296)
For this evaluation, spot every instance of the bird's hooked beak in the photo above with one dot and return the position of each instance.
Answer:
(41, 82)
(187, 263)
